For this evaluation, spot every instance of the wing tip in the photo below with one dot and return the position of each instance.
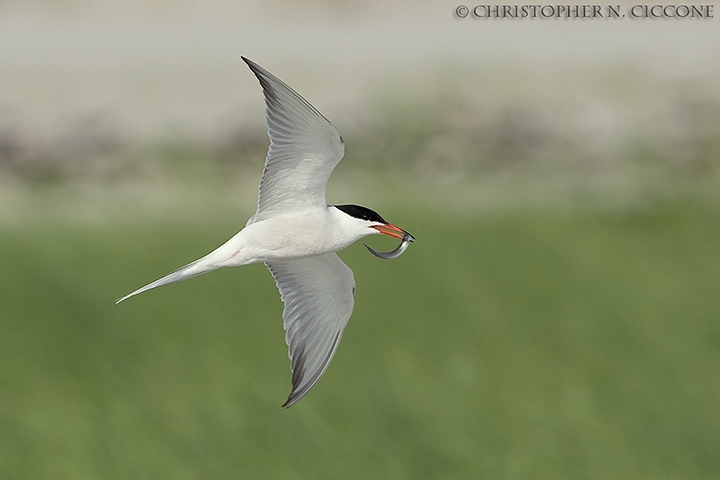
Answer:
(257, 69)
(300, 387)
(291, 400)
(296, 394)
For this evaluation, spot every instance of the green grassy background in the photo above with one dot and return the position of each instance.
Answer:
(516, 343)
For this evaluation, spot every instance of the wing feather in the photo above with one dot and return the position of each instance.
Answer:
(318, 293)
(304, 149)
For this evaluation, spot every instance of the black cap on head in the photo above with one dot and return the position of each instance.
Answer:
(363, 213)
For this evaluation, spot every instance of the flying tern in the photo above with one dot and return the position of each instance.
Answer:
(295, 233)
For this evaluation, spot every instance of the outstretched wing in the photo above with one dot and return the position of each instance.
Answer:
(318, 293)
(304, 149)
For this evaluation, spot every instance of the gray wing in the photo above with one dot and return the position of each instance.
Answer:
(318, 293)
(304, 149)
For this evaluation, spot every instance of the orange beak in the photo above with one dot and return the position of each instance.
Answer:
(391, 230)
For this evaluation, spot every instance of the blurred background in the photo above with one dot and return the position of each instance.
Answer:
(558, 316)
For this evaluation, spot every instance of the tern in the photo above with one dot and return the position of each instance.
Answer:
(295, 233)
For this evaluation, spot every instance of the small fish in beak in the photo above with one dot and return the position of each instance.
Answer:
(407, 239)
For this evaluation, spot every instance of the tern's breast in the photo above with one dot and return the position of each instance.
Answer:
(288, 237)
